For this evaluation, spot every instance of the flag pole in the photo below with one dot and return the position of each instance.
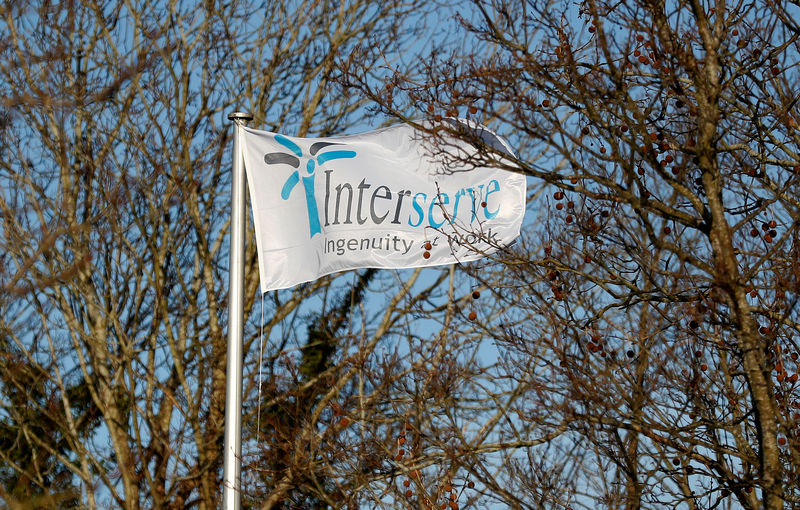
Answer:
(232, 477)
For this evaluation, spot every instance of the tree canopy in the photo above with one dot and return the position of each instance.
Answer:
(652, 312)
(636, 348)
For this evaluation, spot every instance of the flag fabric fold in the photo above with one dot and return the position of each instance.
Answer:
(384, 199)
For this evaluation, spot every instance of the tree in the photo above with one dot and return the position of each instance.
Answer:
(648, 334)
(115, 165)
(635, 348)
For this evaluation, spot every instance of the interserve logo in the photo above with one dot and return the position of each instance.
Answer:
(294, 159)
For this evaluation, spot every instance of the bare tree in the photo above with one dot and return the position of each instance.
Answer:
(635, 349)
(654, 316)
(115, 164)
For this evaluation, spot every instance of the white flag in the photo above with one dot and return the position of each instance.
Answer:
(380, 199)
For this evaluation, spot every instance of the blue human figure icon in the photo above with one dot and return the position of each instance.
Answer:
(293, 160)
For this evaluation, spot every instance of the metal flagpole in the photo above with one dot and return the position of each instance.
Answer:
(232, 474)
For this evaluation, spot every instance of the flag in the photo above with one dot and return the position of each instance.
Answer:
(389, 198)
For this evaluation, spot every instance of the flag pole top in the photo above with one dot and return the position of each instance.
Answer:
(240, 116)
